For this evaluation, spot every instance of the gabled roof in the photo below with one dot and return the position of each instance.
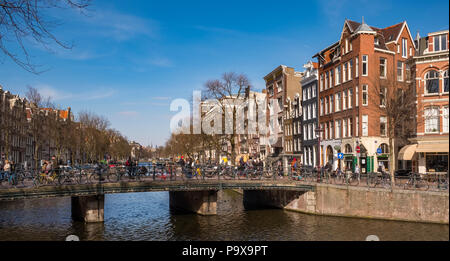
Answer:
(388, 34)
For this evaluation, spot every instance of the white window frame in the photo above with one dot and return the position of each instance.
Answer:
(400, 77)
(357, 67)
(350, 98)
(337, 102)
(365, 125)
(383, 119)
(356, 96)
(431, 114)
(365, 64)
(404, 48)
(357, 126)
(344, 100)
(350, 69)
(365, 95)
(384, 67)
(445, 119)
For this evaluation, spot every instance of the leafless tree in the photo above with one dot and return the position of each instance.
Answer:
(25, 20)
(395, 99)
(231, 86)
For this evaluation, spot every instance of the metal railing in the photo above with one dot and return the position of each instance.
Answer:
(104, 174)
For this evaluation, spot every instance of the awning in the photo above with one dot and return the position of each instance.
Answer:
(407, 152)
(432, 147)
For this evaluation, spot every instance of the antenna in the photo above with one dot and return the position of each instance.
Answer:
(363, 19)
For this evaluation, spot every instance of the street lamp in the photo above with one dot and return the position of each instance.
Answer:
(318, 130)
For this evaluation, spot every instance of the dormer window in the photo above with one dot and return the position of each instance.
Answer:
(440, 42)
(376, 41)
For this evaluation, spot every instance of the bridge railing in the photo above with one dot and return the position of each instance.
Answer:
(93, 175)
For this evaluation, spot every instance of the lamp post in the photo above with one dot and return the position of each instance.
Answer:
(318, 130)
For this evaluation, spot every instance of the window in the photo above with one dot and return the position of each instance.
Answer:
(304, 113)
(280, 86)
(350, 69)
(364, 95)
(346, 45)
(326, 105)
(432, 119)
(350, 127)
(432, 82)
(321, 82)
(445, 81)
(440, 42)
(326, 80)
(382, 67)
(304, 132)
(357, 96)
(398, 48)
(314, 108)
(357, 126)
(331, 129)
(376, 41)
(365, 125)
(382, 126)
(313, 89)
(344, 128)
(404, 48)
(351, 47)
(357, 67)
(321, 106)
(337, 77)
(338, 129)
(407, 72)
(445, 119)
(344, 100)
(350, 97)
(338, 102)
(399, 71)
(309, 112)
(344, 73)
(383, 97)
(331, 103)
(326, 131)
(331, 78)
(365, 65)
(308, 93)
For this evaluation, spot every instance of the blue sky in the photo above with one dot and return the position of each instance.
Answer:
(131, 58)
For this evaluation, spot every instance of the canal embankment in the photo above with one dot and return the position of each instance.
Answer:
(373, 203)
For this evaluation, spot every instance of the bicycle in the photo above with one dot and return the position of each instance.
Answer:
(383, 179)
(415, 181)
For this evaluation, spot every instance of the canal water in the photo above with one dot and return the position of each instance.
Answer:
(146, 216)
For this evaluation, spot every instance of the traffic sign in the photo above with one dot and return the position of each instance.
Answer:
(358, 149)
(340, 155)
(379, 151)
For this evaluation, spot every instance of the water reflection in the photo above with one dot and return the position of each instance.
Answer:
(146, 216)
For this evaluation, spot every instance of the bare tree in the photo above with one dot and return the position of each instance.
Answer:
(395, 100)
(22, 20)
(231, 86)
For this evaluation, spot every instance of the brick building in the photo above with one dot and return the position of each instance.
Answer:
(428, 152)
(350, 104)
(282, 85)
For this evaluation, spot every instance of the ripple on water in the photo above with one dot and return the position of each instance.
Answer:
(146, 216)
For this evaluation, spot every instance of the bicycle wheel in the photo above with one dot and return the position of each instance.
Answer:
(371, 180)
(354, 180)
(422, 184)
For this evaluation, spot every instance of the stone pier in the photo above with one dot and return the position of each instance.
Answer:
(88, 208)
(200, 202)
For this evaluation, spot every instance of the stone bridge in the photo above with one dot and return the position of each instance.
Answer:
(192, 195)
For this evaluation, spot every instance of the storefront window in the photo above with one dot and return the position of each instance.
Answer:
(437, 162)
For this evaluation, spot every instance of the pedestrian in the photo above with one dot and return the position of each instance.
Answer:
(7, 166)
